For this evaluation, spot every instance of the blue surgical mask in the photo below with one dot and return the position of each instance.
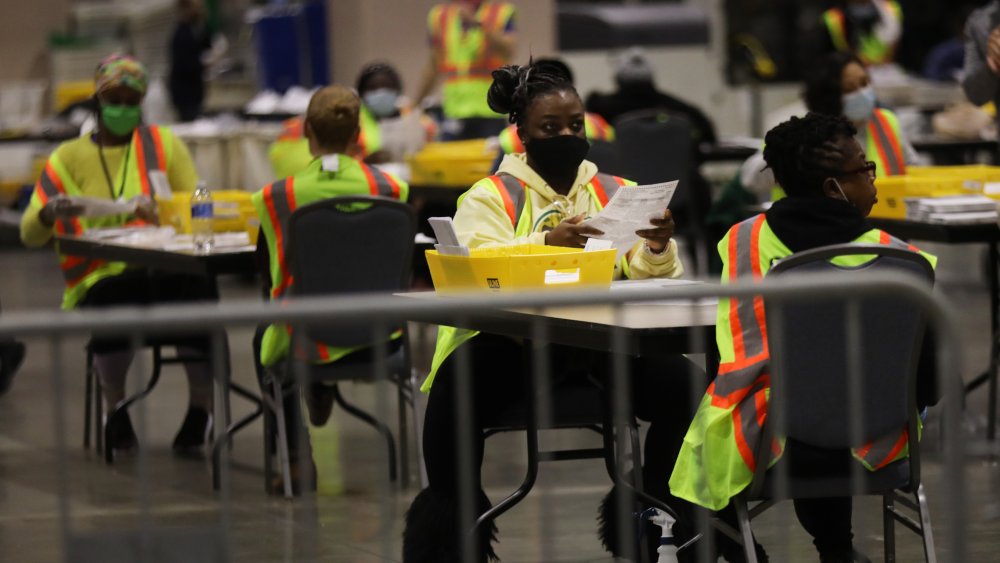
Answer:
(382, 102)
(859, 105)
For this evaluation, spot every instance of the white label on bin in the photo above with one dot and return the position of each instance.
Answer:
(554, 277)
(991, 188)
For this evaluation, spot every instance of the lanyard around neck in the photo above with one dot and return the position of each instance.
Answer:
(107, 173)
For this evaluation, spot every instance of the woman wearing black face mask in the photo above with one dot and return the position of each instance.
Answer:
(557, 189)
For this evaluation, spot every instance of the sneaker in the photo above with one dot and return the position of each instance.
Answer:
(11, 356)
(194, 432)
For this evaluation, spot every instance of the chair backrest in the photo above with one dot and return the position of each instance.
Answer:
(655, 146)
(348, 245)
(605, 155)
(810, 345)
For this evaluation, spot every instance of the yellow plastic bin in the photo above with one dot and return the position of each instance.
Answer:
(893, 191)
(974, 177)
(522, 267)
(453, 164)
(233, 212)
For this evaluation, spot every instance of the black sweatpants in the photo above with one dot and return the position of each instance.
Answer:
(660, 389)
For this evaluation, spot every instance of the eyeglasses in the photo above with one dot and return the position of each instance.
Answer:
(870, 168)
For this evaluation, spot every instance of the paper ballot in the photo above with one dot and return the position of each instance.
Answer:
(100, 207)
(447, 238)
(629, 211)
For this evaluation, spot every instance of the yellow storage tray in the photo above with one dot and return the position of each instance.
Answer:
(456, 164)
(522, 267)
(974, 177)
(893, 191)
(233, 212)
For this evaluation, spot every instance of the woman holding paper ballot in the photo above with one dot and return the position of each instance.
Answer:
(107, 179)
(543, 196)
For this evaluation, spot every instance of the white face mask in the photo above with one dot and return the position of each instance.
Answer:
(859, 105)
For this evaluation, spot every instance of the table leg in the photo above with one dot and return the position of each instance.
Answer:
(990, 375)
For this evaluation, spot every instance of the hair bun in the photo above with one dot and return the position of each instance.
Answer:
(500, 97)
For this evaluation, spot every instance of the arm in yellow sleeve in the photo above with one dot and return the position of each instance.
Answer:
(33, 232)
(182, 175)
(643, 264)
(482, 221)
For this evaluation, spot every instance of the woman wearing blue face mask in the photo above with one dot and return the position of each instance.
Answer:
(841, 86)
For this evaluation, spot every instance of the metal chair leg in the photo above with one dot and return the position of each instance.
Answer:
(283, 457)
(418, 425)
(98, 399)
(404, 433)
(109, 456)
(926, 531)
(746, 534)
(373, 422)
(88, 397)
(889, 527)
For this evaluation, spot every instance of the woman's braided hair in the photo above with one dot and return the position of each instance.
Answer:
(515, 87)
(803, 152)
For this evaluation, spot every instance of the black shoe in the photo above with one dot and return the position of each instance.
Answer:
(121, 436)
(194, 431)
(11, 356)
(319, 403)
(432, 531)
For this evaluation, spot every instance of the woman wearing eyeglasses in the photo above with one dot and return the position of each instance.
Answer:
(830, 186)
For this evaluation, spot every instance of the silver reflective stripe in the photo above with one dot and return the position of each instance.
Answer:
(882, 138)
(753, 340)
(48, 185)
(732, 381)
(882, 447)
(149, 149)
(381, 182)
(516, 192)
(609, 184)
(279, 198)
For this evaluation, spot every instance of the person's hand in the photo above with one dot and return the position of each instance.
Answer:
(993, 51)
(658, 237)
(60, 207)
(145, 210)
(571, 233)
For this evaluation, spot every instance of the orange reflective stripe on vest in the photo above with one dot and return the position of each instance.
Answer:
(605, 186)
(380, 183)
(74, 268)
(512, 193)
(886, 143)
(149, 154)
(279, 198)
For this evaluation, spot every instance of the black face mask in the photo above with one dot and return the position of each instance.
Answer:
(558, 156)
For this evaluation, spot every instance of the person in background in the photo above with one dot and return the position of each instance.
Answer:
(945, 61)
(559, 190)
(870, 28)
(981, 80)
(116, 163)
(595, 126)
(189, 44)
(331, 128)
(390, 128)
(831, 189)
(637, 91)
(469, 39)
(840, 85)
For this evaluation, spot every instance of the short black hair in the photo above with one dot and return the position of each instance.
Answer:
(803, 154)
(823, 92)
(515, 87)
(371, 70)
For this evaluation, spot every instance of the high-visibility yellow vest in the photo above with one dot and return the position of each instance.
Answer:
(870, 50)
(152, 150)
(716, 460)
(275, 205)
(517, 205)
(884, 147)
(596, 127)
(466, 61)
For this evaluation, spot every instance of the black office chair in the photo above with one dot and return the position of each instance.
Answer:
(339, 246)
(605, 155)
(817, 407)
(656, 146)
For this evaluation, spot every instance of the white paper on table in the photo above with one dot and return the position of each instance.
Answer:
(594, 244)
(100, 207)
(630, 210)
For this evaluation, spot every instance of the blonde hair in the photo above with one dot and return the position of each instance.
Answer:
(333, 116)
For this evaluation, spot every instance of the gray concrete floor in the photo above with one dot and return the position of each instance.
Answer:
(165, 504)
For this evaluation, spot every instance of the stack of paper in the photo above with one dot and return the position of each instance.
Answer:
(957, 210)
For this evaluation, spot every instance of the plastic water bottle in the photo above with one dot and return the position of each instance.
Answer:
(667, 551)
(202, 213)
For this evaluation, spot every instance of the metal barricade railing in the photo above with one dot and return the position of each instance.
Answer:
(378, 312)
